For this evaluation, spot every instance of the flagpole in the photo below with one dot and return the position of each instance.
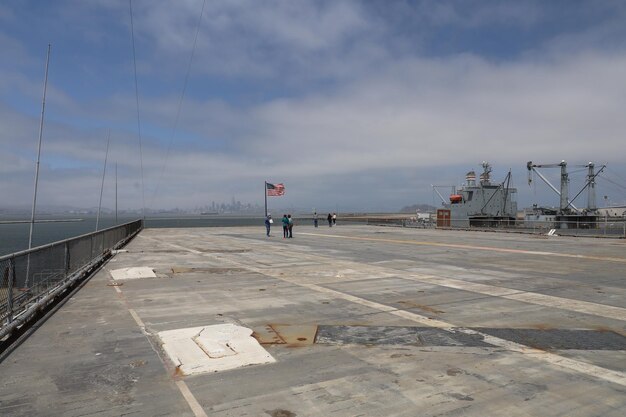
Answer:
(265, 194)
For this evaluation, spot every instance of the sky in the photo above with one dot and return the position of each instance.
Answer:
(353, 105)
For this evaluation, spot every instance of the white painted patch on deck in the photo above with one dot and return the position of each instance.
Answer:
(135, 272)
(213, 348)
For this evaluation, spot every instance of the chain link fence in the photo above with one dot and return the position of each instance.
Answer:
(31, 278)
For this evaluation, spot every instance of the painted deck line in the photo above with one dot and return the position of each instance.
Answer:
(585, 307)
(569, 304)
(554, 359)
(194, 405)
(471, 247)
(551, 358)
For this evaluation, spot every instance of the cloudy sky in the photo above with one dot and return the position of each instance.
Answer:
(360, 105)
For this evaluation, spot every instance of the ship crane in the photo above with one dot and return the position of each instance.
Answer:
(565, 203)
(436, 190)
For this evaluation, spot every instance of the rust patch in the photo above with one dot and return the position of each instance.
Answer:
(291, 335)
(296, 335)
(178, 372)
(412, 304)
(605, 329)
(541, 326)
(266, 335)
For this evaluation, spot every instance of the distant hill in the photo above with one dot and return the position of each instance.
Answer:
(418, 207)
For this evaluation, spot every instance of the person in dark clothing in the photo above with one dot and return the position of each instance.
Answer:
(285, 226)
(290, 225)
(268, 224)
(330, 220)
(315, 218)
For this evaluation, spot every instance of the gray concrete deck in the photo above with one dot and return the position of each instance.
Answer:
(536, 327)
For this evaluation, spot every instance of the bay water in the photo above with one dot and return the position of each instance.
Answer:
(14, 236)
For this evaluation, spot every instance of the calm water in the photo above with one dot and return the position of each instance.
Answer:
(14, 237)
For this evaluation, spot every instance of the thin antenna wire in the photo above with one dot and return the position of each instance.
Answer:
(43, 109)
(132, 33)
(104, 171)
(180, 103)
(116, 193)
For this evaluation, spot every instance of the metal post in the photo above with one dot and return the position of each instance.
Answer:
(265, 194)
(67, 259)
(591, 192)
(10, 290)
(564, 186)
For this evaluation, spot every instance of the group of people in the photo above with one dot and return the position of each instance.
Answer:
(287, 226)
(287, 222)
(332, 219)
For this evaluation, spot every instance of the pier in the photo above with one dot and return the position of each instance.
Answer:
(357, 321)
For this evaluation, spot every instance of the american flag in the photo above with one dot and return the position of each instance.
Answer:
(275, 190)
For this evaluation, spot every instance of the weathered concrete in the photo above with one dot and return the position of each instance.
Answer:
(515, 294)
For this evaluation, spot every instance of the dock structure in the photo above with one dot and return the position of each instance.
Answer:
(344, 321)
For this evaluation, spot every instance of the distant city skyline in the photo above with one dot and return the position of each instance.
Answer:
(356, 104)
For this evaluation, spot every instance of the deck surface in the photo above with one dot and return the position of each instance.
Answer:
(410, 322)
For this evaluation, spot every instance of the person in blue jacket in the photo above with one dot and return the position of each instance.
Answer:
(285, 226)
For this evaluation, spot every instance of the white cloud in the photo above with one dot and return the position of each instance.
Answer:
(384, 118)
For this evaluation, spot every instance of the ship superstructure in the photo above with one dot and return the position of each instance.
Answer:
(482, 203)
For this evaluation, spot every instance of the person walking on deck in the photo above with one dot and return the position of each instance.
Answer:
(334, 219)
(285, 226)
(315, 219)
(330, 220)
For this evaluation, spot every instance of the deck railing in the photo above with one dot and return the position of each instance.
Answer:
(602, 227)
(30, 279)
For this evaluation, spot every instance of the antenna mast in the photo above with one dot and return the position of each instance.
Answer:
(116, 193)
(43, 108)
(104, 170)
